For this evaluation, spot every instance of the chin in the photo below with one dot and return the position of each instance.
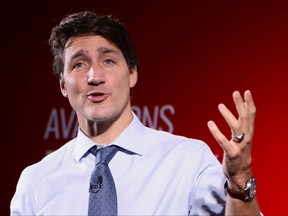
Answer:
(101, 116)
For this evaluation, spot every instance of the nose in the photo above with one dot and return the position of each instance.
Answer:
(96, 75)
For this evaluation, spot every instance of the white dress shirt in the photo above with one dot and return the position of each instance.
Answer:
(166, 175)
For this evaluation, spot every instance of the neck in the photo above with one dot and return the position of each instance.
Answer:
(104, 132)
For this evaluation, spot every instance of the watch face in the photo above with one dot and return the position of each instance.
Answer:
(251, 188)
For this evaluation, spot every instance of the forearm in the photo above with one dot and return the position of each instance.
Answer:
(239, 207)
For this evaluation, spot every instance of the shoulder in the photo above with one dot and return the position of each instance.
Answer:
(165, 140)
(187, 155)
(52, 161)
(173, 139)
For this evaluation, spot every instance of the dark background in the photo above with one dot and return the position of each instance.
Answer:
(193, 55)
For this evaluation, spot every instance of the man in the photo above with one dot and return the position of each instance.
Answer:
(155, 172)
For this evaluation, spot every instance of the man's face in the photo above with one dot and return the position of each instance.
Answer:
(96, 79)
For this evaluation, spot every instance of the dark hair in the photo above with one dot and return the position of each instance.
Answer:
(90, 23)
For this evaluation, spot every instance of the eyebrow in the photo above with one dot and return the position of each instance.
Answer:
(77, 54)
(102, 50)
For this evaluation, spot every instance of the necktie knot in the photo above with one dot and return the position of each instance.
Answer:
(104, 155)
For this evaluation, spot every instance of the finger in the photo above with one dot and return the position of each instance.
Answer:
(251, 109)
(218, 135)
(241, 110)
(230, 119)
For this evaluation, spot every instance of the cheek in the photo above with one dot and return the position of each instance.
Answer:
(124, 84)
(74, 86)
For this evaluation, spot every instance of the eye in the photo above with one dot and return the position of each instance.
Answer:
(78, 65)
(109, 61)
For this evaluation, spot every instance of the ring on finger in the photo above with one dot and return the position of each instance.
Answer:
(239, 138)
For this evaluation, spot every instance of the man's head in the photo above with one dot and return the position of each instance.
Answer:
(90, 23)
(96, 65)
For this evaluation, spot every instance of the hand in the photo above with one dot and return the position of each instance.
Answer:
(237, 155)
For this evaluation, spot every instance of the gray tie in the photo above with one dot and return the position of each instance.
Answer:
(103, 197)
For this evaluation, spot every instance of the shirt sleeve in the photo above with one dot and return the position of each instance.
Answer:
(23, 202)
(207, 195)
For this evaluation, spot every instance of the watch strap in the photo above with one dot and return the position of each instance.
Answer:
(234, 194)
(245, 195)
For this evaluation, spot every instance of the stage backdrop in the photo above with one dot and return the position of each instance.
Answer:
(193, 55)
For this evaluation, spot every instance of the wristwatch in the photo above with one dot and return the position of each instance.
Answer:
(246, 195)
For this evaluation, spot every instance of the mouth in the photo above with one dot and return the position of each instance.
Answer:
(97, 97)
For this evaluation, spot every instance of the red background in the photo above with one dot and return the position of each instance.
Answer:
(193, 55)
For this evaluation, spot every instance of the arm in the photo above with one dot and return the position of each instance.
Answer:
(23, 202)
(237, 154)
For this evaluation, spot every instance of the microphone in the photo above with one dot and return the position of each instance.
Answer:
(97, 187)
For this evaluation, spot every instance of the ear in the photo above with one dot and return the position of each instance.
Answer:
(63, 88)
(133, 76)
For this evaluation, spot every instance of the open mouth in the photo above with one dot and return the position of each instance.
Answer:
(97, 97)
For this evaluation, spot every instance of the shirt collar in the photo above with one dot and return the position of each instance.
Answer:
(129, 139)
(82, 145)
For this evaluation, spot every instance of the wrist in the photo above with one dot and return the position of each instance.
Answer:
(245, 193)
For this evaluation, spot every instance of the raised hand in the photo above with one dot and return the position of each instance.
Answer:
(237, 148)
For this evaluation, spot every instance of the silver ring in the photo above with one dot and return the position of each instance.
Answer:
(239, 138)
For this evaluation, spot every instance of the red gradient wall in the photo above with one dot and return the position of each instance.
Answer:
(193, 55)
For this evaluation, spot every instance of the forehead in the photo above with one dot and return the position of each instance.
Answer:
(89, 44)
